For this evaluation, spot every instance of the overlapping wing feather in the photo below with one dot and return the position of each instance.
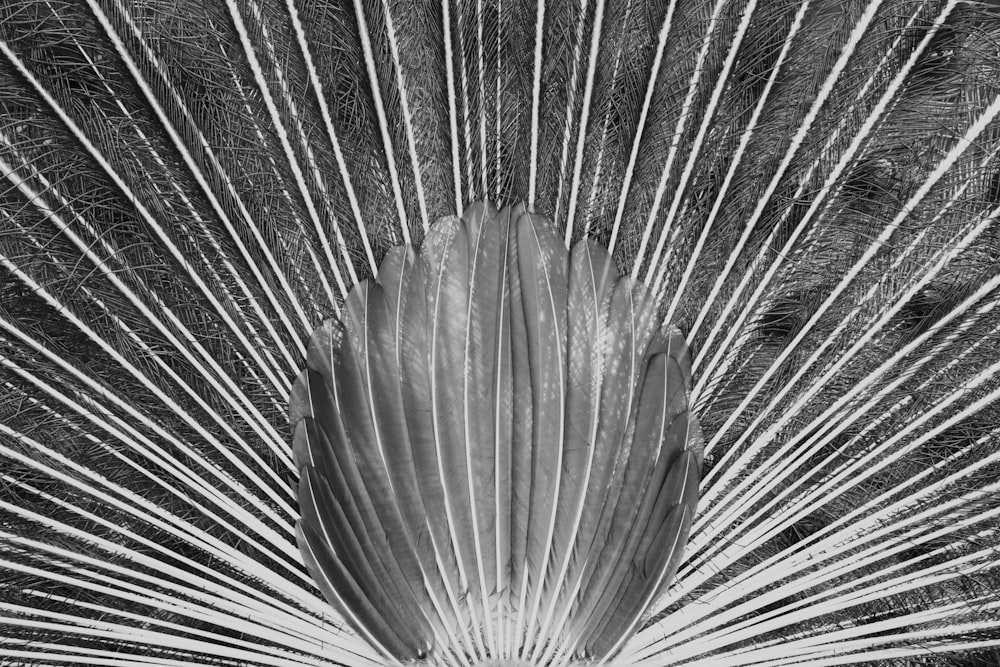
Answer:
(497, 455)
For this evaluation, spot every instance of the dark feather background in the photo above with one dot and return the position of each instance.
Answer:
(190, 188)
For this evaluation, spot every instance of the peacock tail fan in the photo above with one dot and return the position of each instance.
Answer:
(806, 191)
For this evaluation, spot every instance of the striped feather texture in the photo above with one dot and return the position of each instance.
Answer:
(400, 498)
(808, 191)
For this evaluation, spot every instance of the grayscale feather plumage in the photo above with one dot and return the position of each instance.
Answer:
(807, 191)
(504, 324)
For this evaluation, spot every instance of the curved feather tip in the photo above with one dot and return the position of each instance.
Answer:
(498, 462)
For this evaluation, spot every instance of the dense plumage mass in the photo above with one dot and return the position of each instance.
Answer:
(807, 191)
(495, 447)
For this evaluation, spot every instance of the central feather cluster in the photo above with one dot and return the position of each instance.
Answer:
(497, 458)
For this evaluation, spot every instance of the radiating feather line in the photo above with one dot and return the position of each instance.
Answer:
(141, 209)
(682, 483)
(371, 464)
(735, 162)
(971, 135)
(340, 517)
(790, 499)
(87, 331)
(238, 401)
(362, 485)
(876, 502)
(149, 449)
(150, 452)
(842, 650)
(489, 287)
(314, 80)
(482, 115)
(811, 452)
(696, 145)
(76, 625)
(794, 145)
(878, 552)
(643, 475)
(366, 46)
(536, 102)
(391, 433)
(839, 598)
(884, 455)
(85, 625)
(452, 106)
(571, 109)
(498, 111)
(676, 525)
(143, 510)
(787, 495)
(415, 382)
(216, 645)
(186, 153)
(216, 598)
(822, 491)
(305, 291)
(657, 63)
(521, 442)
(237, 404)
(319, 564)
(846, 157)
(943, 257)
(595, 206)
(662, 515)
(407, 117)
(469, 116)
(217, 609)
(588, 92)
(318, 179)
(816, 608)
(282, 133)
(352, 544)
(875, 628)
(676, 135)
(190, 648)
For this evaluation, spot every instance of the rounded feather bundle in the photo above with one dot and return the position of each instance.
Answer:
(497, 459)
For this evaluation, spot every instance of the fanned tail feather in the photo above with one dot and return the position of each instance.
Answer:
(351, 389)
(788, 206)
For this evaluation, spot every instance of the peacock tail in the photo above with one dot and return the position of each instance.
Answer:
(203, 201)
